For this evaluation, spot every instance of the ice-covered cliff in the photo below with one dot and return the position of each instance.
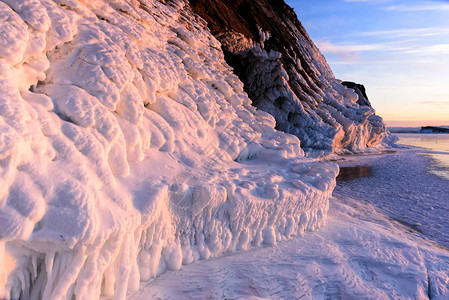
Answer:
(285, 75)
(128, 147)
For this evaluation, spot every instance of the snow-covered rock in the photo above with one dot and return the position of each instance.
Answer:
(128, 147)
(285, 75)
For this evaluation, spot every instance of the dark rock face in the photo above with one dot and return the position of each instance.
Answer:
(359, 89)
(285, 75)
(252, 18)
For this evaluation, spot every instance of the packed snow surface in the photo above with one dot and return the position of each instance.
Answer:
(360, 253)
(128, 147)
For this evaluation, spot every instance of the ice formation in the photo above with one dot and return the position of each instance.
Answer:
(359, 254)
(128, 147)
(285, 75)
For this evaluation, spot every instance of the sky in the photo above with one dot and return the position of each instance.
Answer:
(398, 49)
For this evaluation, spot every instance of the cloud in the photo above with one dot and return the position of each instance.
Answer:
(409, 32)
(348, 52)
(347, 47)
(426, 6)
(352, 51)
(434, 102)
(414, 48)
(430, 50)
(368, 1)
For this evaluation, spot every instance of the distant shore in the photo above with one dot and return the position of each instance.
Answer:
(421, 129)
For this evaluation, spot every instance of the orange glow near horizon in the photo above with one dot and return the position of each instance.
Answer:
(415, 123)
(399, 113)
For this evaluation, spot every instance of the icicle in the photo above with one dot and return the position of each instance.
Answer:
(34, 265)
(39, 284)
(69, 274)
(3, 272)
(109, 281)
(49, 260)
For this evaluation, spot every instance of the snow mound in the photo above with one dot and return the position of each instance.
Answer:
(128, 147)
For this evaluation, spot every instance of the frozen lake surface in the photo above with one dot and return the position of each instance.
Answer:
(405, 185)
(434, 145)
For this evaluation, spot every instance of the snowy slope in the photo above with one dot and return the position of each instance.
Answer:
(286, 75)
(128, 147)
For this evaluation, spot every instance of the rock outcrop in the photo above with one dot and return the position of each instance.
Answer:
(360, 90)
(285, 75)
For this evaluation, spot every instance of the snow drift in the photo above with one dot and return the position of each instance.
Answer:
(128, 147)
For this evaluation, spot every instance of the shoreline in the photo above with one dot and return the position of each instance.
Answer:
(401, 186)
